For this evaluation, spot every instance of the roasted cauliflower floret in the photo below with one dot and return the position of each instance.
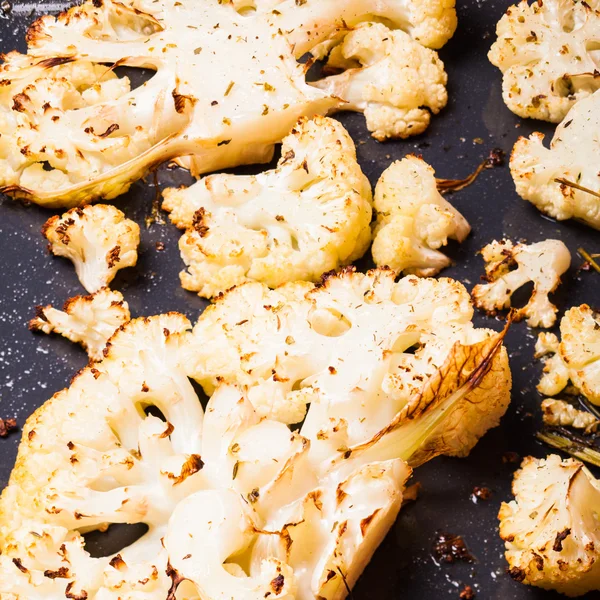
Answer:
(556, 374)
(388, 76)
(413, 220)
(546, 52)
(561, 413)
(551, 528)
(86, 320)
(97, 239)
(561, 181)
(310, 215)
(510, 266)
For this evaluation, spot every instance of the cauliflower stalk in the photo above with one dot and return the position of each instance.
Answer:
(560, 181)
(228, 487)
(310, 215)
(413, 220)
(546, 52)
(227, 87)
(551, 529)
(576, 357)
(97, 239)
(510, 266)
(86, 320)
(391, 78)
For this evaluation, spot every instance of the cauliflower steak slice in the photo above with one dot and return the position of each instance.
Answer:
(547, 52)
(227, 87)
(414, 220)
(310, 215)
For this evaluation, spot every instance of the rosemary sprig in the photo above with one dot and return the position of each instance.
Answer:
(572, 444)
(589, 258)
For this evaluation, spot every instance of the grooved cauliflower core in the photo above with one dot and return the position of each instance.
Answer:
(413, 220)
(310, 215)
(97, 239)
(536, 169)
(86, 320)
(548, 54)
(551, 529)
(576, 358)
(391, 78)
(225, 487)
(509, 266)
(227, 87)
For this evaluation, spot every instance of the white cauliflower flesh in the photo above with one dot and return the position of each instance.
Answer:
(97, 239)
(552, 529)
(561, 413)
(225, 488)
(388, 76)
(561, 181)
(86, 320)
(510, 266)
(547, 52)
(227, 87)
(310, 215)
(413, 220)
(576, 358)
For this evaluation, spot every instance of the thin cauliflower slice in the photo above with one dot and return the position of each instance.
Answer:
(97, 239)
(547, 54)
(86, 320)
(561, 413)
(413, 220)
(510, 266)
(310, 215)
(555, 376)
(227, 87)
(561, 181)
(397, 83)
(551, 530)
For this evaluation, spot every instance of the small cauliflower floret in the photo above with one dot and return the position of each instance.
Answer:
(310, 215)
(388, 76)
(546, 51)
(551, 528)
(413, 220)
(556, 374)
(510, 266)
(86, 320)
(559, 412)
(561, 181)
(97, 239)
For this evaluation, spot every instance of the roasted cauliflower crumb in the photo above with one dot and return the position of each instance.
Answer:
(413, 220)
(510, 266)
(561, 413)
(86, 320)
(388, 76)
(546, 52)
(551, 530)
(97, 239)
(310, 215)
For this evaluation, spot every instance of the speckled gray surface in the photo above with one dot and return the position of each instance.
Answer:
(33, 367)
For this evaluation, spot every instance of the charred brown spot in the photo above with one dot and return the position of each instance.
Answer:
(74, 595)
(40, 315)
(61, 573)
(17, 562)
(450, 548)
(467, 593)
(168, 431)
(253, 496)
(113, 256)
(176, 580)
(55, 61)
(539, 562)
(181, 100)
(7, 426)
(517, 574)
(198, 222)
(277, 584)
(20, 101)
(364, 524)
(110, 129)
(118, 563)
(192, 465)
(560, 537)
(482, 493)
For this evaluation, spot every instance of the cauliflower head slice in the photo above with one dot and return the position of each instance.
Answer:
(560, 181)
(551, 529)
(310, 215)
(227, 87)
(546, 52)
(510, 266)
(86, 320)
(413, 220)
(97, 239)
(397, 82)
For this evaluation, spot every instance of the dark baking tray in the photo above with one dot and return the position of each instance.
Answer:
(33, 367)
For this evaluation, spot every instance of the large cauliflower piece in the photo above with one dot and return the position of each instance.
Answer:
(560, 180)
(310, 215)
(576, 358)
(97, 239)
(413, 220)
(546, 52)
(510, 266)
(551, 528)
(391, 78)
(86, 320)
(227, 87)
